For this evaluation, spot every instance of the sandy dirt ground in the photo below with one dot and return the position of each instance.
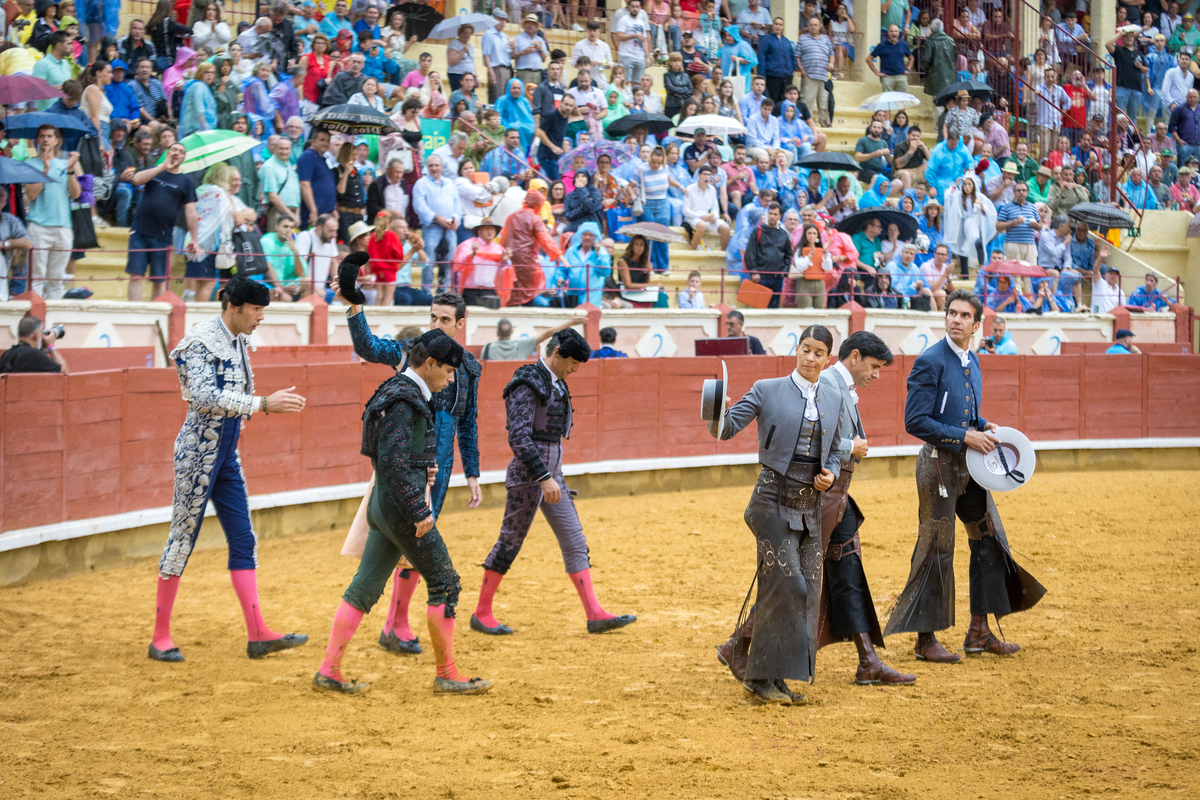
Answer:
(1101, 701)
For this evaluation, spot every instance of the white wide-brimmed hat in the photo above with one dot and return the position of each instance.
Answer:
(1009, 466)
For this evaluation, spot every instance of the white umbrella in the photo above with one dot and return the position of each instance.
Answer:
(448, 28)
(890, 101)
(713, 124)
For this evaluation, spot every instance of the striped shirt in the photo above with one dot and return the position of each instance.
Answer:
(654, 182)
(814, 55)
(1018, 234)
(1050, 101)
(147, 98)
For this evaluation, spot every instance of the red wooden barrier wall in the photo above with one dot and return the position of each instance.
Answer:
(93, 444)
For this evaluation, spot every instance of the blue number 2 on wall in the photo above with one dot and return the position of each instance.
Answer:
(924, 338)
(658, 349)
(1057, 344)
(105, 340)
(795, 343)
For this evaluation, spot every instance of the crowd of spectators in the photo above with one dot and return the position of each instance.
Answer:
(502, 213)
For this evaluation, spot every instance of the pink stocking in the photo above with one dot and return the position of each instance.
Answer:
(404, 583)
(441, 633)
(245, 583)
(487, 592)
(163, 603)
(345, 623)
(591, 606)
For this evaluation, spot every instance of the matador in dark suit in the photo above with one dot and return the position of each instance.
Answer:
(945, 390)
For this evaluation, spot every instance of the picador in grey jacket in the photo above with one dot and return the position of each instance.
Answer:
(802, 435)
(845, 611)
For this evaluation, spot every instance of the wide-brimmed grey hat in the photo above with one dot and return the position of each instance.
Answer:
(712, 399)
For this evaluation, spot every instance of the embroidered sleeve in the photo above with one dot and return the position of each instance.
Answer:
(520, 405)
(395, 469)
(200, 385)
(372, 348)
(468, 432)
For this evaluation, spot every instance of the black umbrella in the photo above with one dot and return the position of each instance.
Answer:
(859, 219)
(1098, 215)
(973, 88)
(354, 120)
(654, 123)
(830, 160)
(420, 20)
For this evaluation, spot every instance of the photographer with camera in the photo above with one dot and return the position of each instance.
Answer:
(34, 350)
(1000, 343)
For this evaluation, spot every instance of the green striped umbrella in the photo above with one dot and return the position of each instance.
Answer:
(212, 147)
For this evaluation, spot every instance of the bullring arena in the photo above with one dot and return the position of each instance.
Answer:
(1099, 701)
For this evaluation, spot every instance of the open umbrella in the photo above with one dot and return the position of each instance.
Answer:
(830, 160)
(654, 123)
(713, 124)
(448, 28)
(1020, 269)
(653, 231)
(890, 101)
(19, 88)
(858, 220)
(419, 20)
(13, 171)
(1099, 215)
(212, 147)
(353, 119)
(24, 126)
(619, 154)
(973, 88)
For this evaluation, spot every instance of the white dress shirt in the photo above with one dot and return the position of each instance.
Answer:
(848, 378)
(810, 394)
(420, 382)
(963, 357)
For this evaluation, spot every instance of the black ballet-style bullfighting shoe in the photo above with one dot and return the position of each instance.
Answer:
(172, 656)
(264, 649)
(606, 625)
(499, 630)
(388, 640)
(328, 684)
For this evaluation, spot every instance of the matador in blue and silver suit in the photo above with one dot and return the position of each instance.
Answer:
(218, 385)
(455, 407)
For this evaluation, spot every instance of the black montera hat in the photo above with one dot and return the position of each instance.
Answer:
(571, 344)
(348, 278)
(441, 347)
(239, 291)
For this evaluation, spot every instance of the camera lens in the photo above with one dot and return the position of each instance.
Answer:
(58, 330)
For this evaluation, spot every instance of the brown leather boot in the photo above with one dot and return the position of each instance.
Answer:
(735, 653)
(980, 639)
(930, 649)
(872, 670)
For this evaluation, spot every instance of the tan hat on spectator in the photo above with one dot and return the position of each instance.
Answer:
(1045, 171)
(1011, 168)
(358, 229)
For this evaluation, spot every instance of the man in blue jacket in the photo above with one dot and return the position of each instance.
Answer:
(945, 391)
(455, 409)
(120, 94)
(776, 60)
